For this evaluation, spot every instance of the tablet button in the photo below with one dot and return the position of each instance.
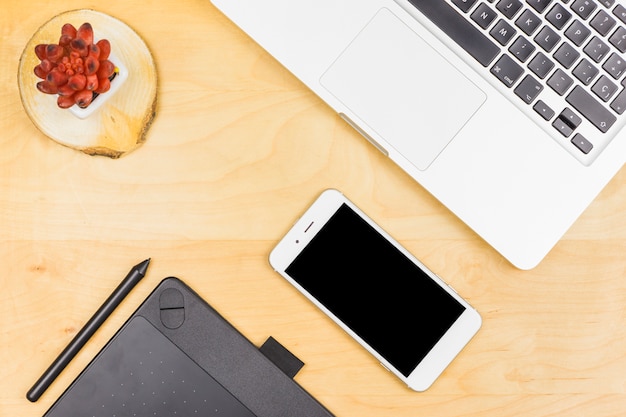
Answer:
(171, 298)
(173, 319)
(172, 306)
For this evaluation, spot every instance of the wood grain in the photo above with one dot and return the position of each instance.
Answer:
(238, 148)
(121, 122)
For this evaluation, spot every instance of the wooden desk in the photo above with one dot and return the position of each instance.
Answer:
(238, 148)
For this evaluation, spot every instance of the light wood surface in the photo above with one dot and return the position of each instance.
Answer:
(237, 150)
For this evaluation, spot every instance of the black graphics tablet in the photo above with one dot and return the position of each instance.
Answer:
(177, 356)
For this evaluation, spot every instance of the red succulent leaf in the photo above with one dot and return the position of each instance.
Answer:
(46, 65)
(105, 48)
(94, 51)
(91, 65)
(92, 82)
(46, 87)
(40, 51)
(79, 46)
(39, 72)
(83, 98)
(56, 77)
(54, 52)
(77, 82)
(104, 84)
(66, 90)
(107, 68)
(65, 40)
(85, 32)
(68, 29)
(65, 102)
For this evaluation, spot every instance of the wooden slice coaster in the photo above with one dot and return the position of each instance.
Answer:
(120, 118)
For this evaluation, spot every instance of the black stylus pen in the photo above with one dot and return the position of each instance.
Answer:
(133, 277)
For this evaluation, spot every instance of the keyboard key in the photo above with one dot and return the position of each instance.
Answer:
(585, 71)
(528, 22)
(464, 5)
(502, 32)
(615, 66)
(509, 8)
(583, 8)
(558, 16)
(528, 89)
(591, 109)
(539, 5)
(604, 88)
(541, 65)
(620, 13)
(507, 70)
(543, 110)
(619, 104)
(560, 82)
(522, 49)
(563, 127)
(547, 38)
(454, 24)
(566, 55)
(581, 143)
(596, 49)
(618, 39)
(577, 32)
(571, 118)
(483, 15)
(602, 22)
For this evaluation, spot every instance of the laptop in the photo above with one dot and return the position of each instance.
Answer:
(509, 112)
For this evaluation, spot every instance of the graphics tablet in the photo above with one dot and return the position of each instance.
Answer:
(176, 356)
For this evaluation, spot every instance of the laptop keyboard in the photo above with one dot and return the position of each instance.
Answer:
(561, 61)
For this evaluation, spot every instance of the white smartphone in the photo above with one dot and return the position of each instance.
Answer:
(377, 291)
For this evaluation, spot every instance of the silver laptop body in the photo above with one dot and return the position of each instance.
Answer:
(492, 105)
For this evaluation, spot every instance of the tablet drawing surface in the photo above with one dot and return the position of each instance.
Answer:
(142, 373)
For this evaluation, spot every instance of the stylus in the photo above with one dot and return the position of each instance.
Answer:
(133, 277)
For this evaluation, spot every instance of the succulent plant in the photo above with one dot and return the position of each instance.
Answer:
(76, 68)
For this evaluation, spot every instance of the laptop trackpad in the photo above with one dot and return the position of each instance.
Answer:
(403, 89)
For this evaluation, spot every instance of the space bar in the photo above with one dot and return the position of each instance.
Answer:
(460, 30)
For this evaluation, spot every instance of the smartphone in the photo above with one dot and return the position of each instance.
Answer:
(375, 289)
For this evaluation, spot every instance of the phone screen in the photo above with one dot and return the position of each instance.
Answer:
(378, 292)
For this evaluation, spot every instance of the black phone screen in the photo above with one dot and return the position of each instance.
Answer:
(372, 287)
